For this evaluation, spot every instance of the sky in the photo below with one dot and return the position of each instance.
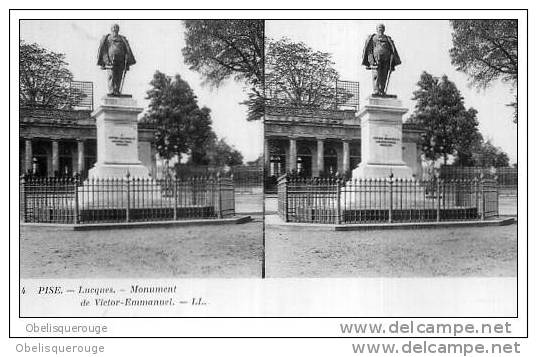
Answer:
(423, 45)
(156, 46)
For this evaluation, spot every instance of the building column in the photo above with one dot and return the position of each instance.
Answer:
(81, 157)
(28, 155)
(292, 154)
(346, 157)
(55, 158)
(320, 156)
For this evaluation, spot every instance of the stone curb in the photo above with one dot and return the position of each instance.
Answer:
(156, 224)
(413, 225)
(276, 222)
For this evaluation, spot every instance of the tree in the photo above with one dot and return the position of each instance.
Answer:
(449, 127)
(181, 124)
(488, 155)
(45, 78)
(223, 49)
(467, 136)
(224, 154)
(217, 152)
(257, 162)
(299, 76)
(487, 50)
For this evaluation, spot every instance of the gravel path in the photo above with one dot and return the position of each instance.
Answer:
(464, 252)
(224, 251)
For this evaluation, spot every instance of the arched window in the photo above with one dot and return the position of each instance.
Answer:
(355, 155)
(330, 160)
(67, 150)
(276, 161)
(303, 160)
(42, 157)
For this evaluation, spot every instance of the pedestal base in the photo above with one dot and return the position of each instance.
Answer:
(381, 171)
(382, 139)
(118, 171)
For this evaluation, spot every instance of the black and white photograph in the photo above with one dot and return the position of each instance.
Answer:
(391, 148)
(270, 174)
(140, 149)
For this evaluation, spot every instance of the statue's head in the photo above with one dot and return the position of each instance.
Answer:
(114, 29)
(380, 29)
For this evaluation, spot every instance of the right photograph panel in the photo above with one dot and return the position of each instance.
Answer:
(390, 148)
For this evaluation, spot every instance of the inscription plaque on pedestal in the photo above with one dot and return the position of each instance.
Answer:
(382, 139)
(117, 139)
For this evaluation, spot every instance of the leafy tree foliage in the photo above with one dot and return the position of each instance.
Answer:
(467, 136)
(297, 75)
(485, 154)
(45, 78)
(257, 162)
(217, 153)
(486, 50)
(183, 127)
(181, 124)
(450, 129)
(224, 49)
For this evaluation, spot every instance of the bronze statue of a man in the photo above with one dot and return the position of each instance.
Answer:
(380, 56)
(115, 56)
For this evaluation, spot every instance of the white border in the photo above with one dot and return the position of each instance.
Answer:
(271, 289)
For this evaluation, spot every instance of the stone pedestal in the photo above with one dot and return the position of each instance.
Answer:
(382, 136)
(107, 186)
(117, 139)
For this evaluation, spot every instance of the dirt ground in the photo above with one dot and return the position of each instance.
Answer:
(249, 203)
(223, 251)
(507, 205)
(454, 252)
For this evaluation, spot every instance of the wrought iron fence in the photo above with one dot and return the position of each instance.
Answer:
(342, 94)
(248, 178)
(245, 179)
(506, 177)
(72, 201)
(81, 94)
(336, 201)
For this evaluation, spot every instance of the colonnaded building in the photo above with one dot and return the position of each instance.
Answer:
(62, 142)
(315, 142)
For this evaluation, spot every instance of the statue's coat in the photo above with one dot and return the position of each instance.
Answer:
(368, 48)
(103, 52)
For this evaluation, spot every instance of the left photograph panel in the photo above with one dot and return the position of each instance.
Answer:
(140, 149)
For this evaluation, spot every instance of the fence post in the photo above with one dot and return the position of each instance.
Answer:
(219, 188)
(482, 199)
(338, 200)
(127, 211)
(438, 203)
(175, 199)
(76, 219)
(476, 190)
(497, 205)
(390, 208)
(233, 192)
(23, 199)
(285, 182)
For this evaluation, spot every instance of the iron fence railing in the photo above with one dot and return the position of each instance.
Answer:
(336, 201)
(245, 178)
(340, 94)
(506, 177)
(72, 201)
